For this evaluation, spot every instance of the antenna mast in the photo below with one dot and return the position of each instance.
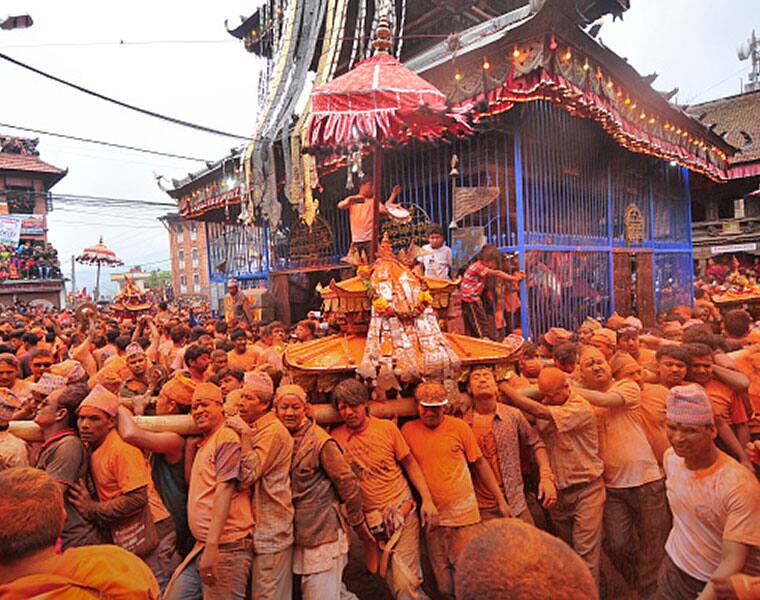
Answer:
(751, 50)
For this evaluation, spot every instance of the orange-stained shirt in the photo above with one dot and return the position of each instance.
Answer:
(744, 364)
(374, 454)
(443, 454)
(746, 587)
(726, 403)
(119, 468)
(482, 427)
(647, 356)
(218, 461)
(653, 409)
(246, 361)
(573, 442)
(623, 446)
(721, 502)
(88, 573)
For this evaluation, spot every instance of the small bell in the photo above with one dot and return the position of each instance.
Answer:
(454, 163)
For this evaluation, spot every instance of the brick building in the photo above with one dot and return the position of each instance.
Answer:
(189, 256)
(25, 182)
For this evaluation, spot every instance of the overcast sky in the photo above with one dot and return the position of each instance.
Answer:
(690, 43)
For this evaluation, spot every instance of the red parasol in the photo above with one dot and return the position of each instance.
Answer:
(382, 100)
(99, 255)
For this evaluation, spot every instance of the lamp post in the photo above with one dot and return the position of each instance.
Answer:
(16, 22)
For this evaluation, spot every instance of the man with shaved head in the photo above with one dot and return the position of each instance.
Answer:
(568, 426)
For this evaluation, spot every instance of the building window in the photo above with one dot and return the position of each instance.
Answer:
(193, 231)
(183, 280)
(196, 280)
(180, 234)
(195, 258)
(183, 289)
(181, 256)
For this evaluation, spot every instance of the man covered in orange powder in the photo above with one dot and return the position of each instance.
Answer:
(31, 520)
(446, 449)
(635, 488)
(568, 426)
(715, 503)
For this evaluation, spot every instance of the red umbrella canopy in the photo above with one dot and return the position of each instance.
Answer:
(383, 100)
(99, 254)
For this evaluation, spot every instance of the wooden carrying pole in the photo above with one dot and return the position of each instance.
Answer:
(324, 414)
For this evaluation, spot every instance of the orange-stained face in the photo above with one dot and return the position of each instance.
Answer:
(93, 425)
(355, 417)
(250, 406)
(207, 414)
(700, 370)
(291, 411)
(690, 441)
(672, 371)
(138, 364)
(8, 375)
(595, 371)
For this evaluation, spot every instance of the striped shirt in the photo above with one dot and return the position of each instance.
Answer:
(473, 282)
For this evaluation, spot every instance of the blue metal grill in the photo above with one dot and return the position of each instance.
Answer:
(240, 252)
(564, 187)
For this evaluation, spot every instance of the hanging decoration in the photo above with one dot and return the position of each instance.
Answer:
(304, 178)
(552, 70)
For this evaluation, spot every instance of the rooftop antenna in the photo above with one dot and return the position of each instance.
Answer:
(751, 50)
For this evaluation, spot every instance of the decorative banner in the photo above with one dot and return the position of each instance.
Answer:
(402, 233)
(468, 200)
(466, 242)
(10, 229)
(32, 224)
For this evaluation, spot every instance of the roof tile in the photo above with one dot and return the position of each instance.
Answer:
(733, 115)
(21, 162)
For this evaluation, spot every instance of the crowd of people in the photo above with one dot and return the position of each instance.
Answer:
(612, 440)
(29, 260)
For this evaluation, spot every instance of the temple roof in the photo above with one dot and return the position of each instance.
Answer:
(425, 23)
(736, 116)
(556, 60)
(31, 164)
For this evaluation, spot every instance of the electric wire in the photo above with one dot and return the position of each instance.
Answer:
(150, 113)
(103, 143)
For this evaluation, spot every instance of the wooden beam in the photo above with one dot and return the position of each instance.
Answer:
(324, 414)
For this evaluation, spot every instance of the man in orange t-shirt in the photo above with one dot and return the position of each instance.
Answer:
(219, 515)
(728, 408)
(377, 451)
(31, 520)
(673, 362)
(242, 355)
(445, 447)
(636, 500)
(122, 478)
(568, 426)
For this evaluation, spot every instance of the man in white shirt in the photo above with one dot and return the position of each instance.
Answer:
(715, 503)
(437, 262)
(360, 213)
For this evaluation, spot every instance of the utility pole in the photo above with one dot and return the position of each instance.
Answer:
(73, 281)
